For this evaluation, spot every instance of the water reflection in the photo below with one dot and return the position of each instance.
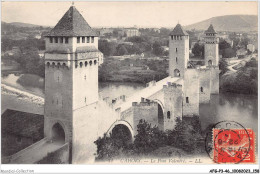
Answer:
(233, 107)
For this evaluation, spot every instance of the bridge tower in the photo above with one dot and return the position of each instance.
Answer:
(71, 82)
(179, 51)
(211, 53)
(211, 47)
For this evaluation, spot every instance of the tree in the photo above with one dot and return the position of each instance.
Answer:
(107, 48)
(223, 66)
(228, 53)
(148, 138)
(223, 44)
(121, 50)
(198, 50)
(157, 49)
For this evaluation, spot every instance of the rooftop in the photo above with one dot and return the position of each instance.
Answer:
(179, 31)
(22, 124)
(210, 30)
(72, 24)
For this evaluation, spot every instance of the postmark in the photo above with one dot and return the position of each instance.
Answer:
(230, 142)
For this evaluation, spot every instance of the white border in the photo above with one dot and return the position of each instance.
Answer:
(175, 168)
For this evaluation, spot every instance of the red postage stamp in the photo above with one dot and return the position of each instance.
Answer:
(234, 146)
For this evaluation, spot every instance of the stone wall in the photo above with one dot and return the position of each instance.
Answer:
(85, 84)
(191, 93)
(60, 156)
(11, 144)
(58, 100)
(204, 86)
(211, 53)
(173, 104)
(146, 110)
(214, 79)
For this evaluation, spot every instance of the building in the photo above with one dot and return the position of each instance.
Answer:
(250, 47)
(199, 82)
(130, 32)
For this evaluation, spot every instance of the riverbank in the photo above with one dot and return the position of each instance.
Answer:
(13, 98)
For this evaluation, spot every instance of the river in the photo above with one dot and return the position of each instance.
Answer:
(240, 108)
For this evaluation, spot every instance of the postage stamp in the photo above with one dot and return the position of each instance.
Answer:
(234, 145)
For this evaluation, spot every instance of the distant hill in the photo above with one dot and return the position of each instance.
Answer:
(236, 23)
(21, 24)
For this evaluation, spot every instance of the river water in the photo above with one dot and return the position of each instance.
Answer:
(234, 107)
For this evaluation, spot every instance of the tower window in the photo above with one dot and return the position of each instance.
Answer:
(83, 39)
(187, 99)
(92, 39)
(201, 89)
(85, 77)
(66, 40)
(78, 39)
(176, 50)
(56, 39)
(18, 139)
(88, 39)
(85, 99)
(61, 39)
(169, 115)
(172, 37)
(176, 60)
(51, 40)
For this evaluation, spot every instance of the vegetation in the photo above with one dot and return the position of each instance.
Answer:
(185, 136)
(245, 81)
(130, 70)
(225, 49)
(28, 57)
(223, 67)
(140, 44)
(198, 50)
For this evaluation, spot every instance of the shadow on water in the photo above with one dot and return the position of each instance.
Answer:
(233, 107)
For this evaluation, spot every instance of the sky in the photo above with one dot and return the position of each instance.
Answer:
(125, 14)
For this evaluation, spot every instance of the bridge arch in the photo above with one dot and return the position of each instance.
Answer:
(160, 114)
(120, 127)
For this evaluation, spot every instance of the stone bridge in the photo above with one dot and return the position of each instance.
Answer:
(159, 104)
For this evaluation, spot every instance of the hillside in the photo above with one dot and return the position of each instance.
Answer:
(236, 23)
(21, 24)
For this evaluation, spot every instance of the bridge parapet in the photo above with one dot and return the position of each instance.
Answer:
(151, 83)
(170, 84)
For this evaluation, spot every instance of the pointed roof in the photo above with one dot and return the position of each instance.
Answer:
(72, 24)
(211, 30)
(179, 31)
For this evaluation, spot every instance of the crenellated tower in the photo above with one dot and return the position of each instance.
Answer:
(179, 51)
(212, 58)
(71, 79)
(211, 51)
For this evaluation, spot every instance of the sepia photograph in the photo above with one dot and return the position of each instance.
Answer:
(125, 83)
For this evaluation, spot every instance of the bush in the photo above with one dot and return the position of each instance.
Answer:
(185, 136)
(148, 138)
